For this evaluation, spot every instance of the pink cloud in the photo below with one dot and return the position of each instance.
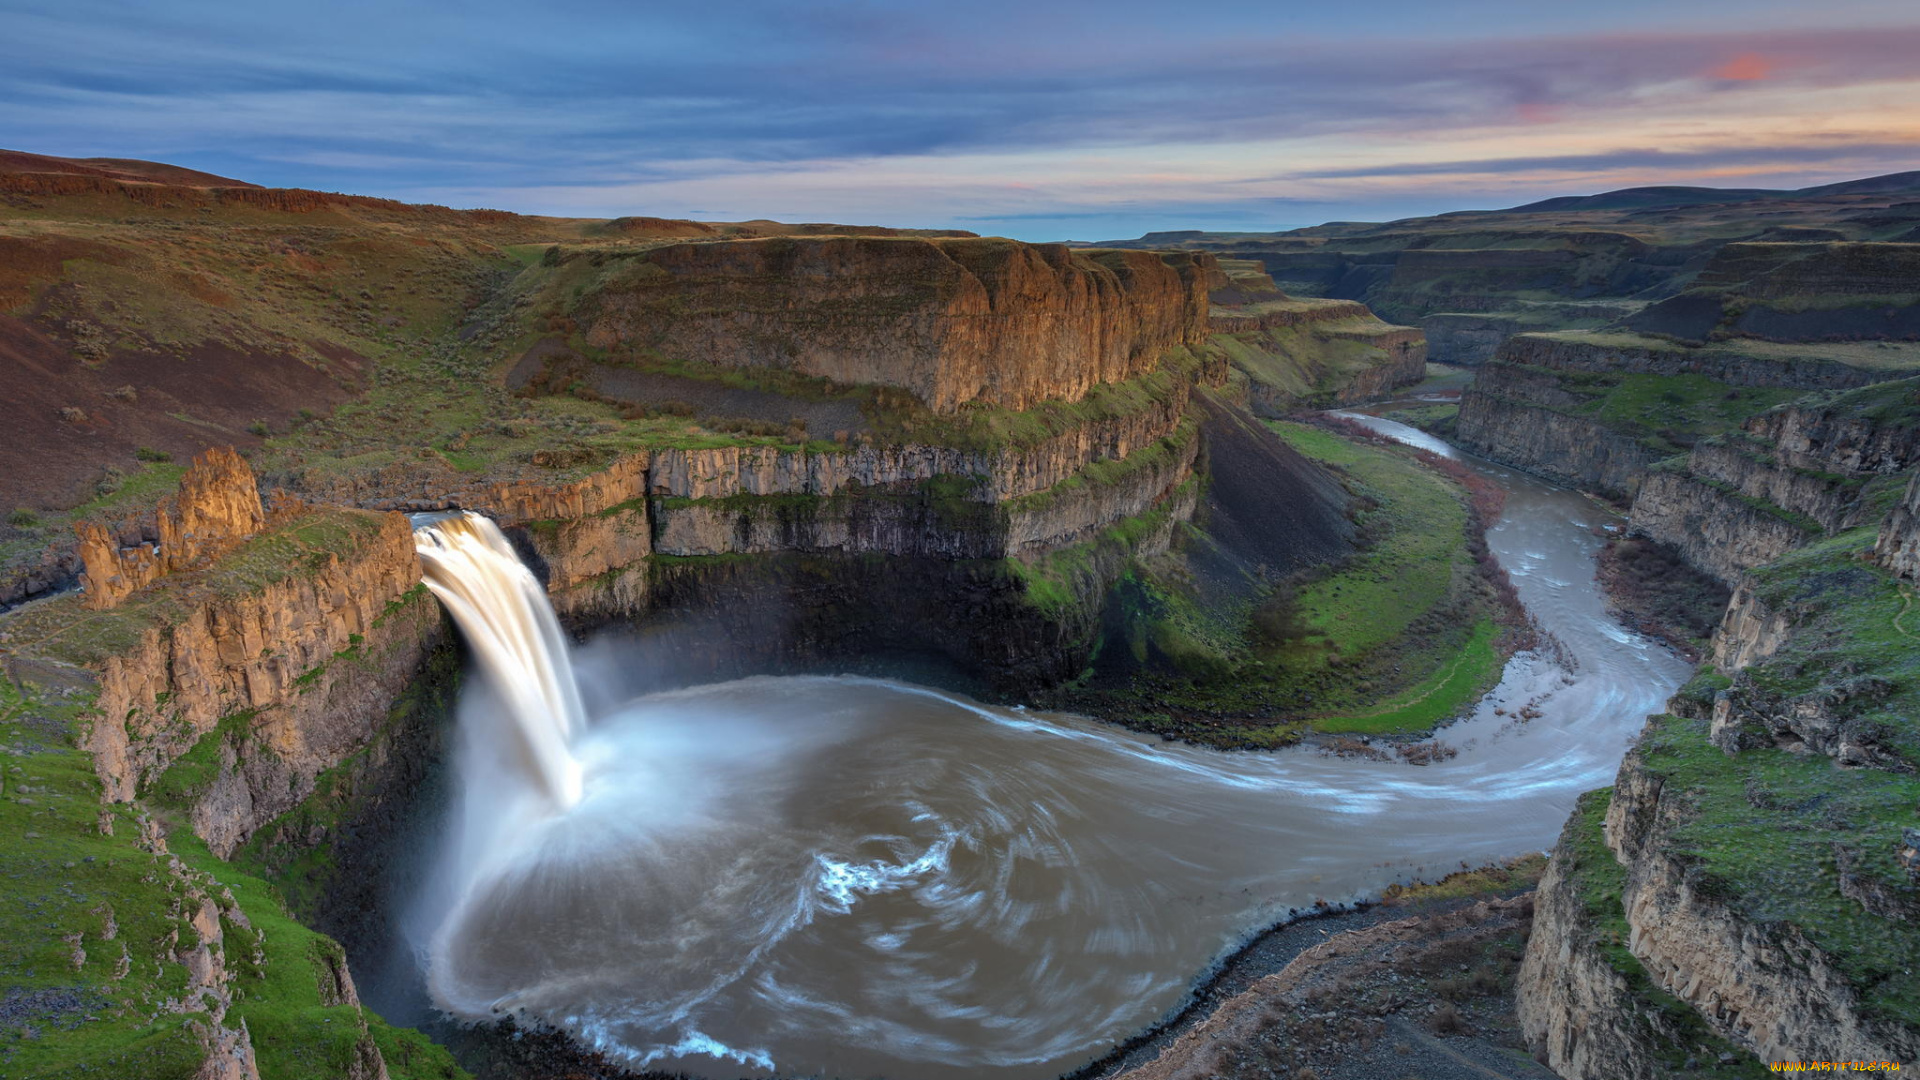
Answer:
(1747, 67)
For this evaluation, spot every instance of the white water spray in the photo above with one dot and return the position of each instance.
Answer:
(510, 626)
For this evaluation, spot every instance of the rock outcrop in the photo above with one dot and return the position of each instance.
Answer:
(951, 320)
(1547, 403)
(268, 649)
(1749, 632)
(1574, 1000)
(1752, 883)
(218, 505)
(1761, 984)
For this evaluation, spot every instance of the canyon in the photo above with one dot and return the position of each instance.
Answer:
(1071, 477)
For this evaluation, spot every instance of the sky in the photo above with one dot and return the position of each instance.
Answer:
(1033, 119)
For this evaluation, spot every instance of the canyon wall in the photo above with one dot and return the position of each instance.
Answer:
(288, 636)
(1501, 419)
(1316, 353)
(1598, 410)
(952, 320)
(299, 670)
(1791, 475)
(917, 524)
(1713, 526)
(1580, 1003)
(1748, 885)
(1811, 292)
(1627, 355)
(1898, 547)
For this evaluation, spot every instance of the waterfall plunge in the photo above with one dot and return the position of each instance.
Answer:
(835, 876)
(511, 628)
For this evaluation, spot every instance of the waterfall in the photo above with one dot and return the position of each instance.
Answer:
(508, 622)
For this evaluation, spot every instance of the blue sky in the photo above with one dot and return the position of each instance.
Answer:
(1037, 120)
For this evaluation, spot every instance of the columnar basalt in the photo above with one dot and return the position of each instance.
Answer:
(1714, 526)
(952, 320)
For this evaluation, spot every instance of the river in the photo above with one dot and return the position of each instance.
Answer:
(856, 877)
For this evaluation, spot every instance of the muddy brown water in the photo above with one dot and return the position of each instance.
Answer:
(855, 877)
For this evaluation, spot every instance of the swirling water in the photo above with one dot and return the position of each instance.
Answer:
(841, 876)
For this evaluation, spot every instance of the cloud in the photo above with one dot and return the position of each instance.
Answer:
(1719, 157)
(1747, 67)
(1001, 110)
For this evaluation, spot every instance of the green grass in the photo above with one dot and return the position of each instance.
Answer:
(1444, 694)
(1665, 413)
(1063, 578)
(1395, 640)
(62, 882)
(1494, 879)
(1425, 417)
(1654, 407)
(1846, 629)
(141, 485)
(1761, 835)
(1762, 825)
(1417, 553)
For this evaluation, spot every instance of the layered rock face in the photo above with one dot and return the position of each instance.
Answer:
(952, 320)
(1546, 403)
(1748, 881)
(1713, 526)
(1598, 354)
(300, 670)
(1790, 475)
(1797, 292)
(1749, 632)
(1764, 986)
(1509, 415)
(915, 524)
(1573, 1001)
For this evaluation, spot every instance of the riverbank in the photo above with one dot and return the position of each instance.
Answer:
(1392, 641)
(1427, 962)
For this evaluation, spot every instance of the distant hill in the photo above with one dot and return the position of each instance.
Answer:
(1646, 198)
(126, 170)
